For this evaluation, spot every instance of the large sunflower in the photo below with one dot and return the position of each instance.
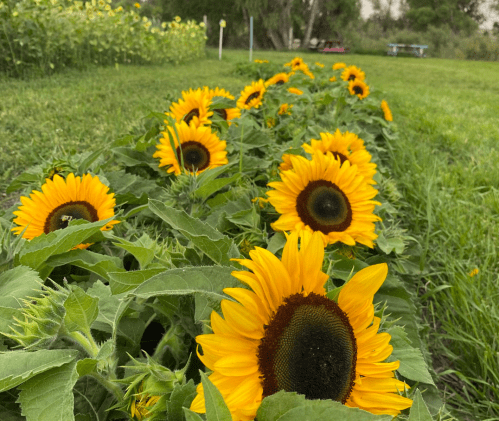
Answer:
(200, 148)
(359, 88)
(278, 79)
(62, 200)
(345, 147)
(251, 96)
(193, 107)
(352, 73)
(286, 334)
(326, 196)
(210, 93)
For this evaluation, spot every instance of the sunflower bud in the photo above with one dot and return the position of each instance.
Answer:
(43, 318)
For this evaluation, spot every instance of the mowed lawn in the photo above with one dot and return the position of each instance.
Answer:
(445, 166)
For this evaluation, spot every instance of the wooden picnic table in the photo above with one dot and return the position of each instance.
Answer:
(417, 50)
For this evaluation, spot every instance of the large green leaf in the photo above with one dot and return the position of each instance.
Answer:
(142, 249)
(94, 262)
(284, 406)
(419, 410)
(81, 310)
(40, 249)
(181, 397)
(208, 189)
(49, 396)
(215, 245)
(125, 281)
(191, 415)
(216, 408)
(16, 284)
(18, 366)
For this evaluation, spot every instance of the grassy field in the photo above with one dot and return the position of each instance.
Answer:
(444, 164)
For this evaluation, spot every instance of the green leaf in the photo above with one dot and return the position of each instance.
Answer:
(40, 249)
(191, 415)
(206, 280)
(125, 281)
(412, 363)
(277, 242)
(16, 284)
(387, 245)
(18, 366)
(181, 398)
(49, 396)
(285, 406)
(142, 249)
(131, 188)
(214, 244)
(81, 310)
(97, 263)
(85, 366)
(6, 318)
(216, 408)
(209, 188)
(419, 410)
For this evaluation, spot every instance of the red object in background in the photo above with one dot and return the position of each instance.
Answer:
(334, 50)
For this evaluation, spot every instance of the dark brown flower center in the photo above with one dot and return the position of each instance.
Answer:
(63, 214)
(279, 82)
(196, 155)
(340, 156)
(324, 207)
(308, 347)
(252, 97)
(351, 77)
(222, 113)
(191, 114)
(358, 90)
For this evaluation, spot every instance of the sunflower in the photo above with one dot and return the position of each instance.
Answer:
(285, 109)
(278, 79)
(210, 93)
(353, 73)
(285, 334)
(294, 90)
(251, 96)
(296, 62)
(62, 200)
(345, 147)
(227, 114)
(319, 64)
(286, 164)
(304, 68)
(326, 196)
(359, 88)
(386, 111)
(339, 65)
(193, 107)
(141, 403)
(200, 148)
(332, 79)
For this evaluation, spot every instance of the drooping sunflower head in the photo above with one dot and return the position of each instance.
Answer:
(193, 107)
(285, 109)
(339, 65)
(62, 200)
(296, 62)
(285, 334)
(295, 91)
(359, 88)
(353, 73)
(326, 196)
(345, 147)
(304, 68)
(251, 96)
(197, 146)
(278, 79)
(386, 111)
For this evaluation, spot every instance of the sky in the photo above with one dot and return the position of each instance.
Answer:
(366, 10)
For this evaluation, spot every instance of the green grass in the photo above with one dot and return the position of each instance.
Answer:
(444, 163)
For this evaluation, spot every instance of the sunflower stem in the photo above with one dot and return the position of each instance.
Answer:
(241, 151)
(163, 343)
(109, 385)
(86, 342)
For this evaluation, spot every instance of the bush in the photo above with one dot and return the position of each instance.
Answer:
(43, 36)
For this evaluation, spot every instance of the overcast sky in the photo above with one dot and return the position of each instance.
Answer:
(491, 17)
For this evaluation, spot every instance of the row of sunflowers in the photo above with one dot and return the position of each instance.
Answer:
(228, 259)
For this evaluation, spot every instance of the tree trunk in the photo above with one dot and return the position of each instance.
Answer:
(310, 24)
(275, 38)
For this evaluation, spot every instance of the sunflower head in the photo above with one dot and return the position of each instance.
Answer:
(193, 107)
(252, 95)
(386, 111)
(296, 62)
(332, 79)
(304, 68)
(339, 65)
(197, 147)
(359, 88)
(286, 164)
(285, 109)
(345, 147)
(319, 64)
(352, 73)
(295, 91)
(217, 92)
(284, 333)
(278, 79)
(62, 200)
(326, 196)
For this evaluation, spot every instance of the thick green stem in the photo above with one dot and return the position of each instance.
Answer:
(87, 342)
(161, 347)
(114, 388)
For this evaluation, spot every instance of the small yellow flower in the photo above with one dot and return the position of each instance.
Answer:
(261, 201)
(265, 61)
(270, 122)
(136, 18)
(144, 19)
(108, 8)
(202, 25)
(474, 272)
(110, 13)
(319, 64)
(295, 91)
(137, 5)
(119, 9)
(386, 111)
(141, 403)
(223, 23)
(257, 60)
(285, 109)
(178, 19)
(337, 66)
(163, 25)
(332, 79)
(102, 3)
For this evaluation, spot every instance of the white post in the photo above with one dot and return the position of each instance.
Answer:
(251, 39)
(205, 20)
(222, 26)
(290, 42)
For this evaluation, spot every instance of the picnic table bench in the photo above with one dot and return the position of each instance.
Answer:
(327, 46)
(417, 50)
